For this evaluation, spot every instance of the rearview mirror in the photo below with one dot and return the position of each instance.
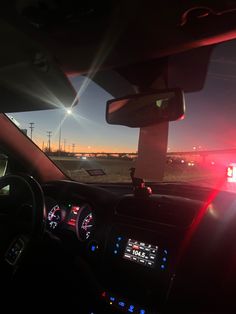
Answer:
(146, 109)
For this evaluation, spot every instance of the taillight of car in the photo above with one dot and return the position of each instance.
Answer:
(231, 173)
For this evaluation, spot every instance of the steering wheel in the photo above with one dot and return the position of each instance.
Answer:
(22, 218)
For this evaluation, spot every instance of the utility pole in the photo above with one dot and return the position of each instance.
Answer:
(49, 134)
(59, 143)
(64, 144)
(31, 129)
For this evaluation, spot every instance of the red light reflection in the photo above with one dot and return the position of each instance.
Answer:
(201, 213)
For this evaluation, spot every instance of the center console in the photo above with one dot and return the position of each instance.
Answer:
(141, 251)
(139, 270)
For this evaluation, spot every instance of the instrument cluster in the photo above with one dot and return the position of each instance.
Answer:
(78, 217)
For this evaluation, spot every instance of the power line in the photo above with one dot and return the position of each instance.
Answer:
(31, 129)
(49, 135)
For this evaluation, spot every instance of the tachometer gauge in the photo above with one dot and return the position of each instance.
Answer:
(54, 217)
(85, 223)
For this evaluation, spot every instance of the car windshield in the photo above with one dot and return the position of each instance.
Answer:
(87, 149)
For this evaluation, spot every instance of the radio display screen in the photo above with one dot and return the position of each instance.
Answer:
(141, 253)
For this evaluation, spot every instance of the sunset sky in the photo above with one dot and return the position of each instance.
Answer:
(86, 127)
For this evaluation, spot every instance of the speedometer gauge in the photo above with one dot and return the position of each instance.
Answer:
(54, 217)
(85, 223)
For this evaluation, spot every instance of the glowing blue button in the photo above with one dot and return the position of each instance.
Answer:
(121, 304)
(142, 311)
(131, 309)
(93, 248)
(115, 251)
(164, 259)
(165, 252)
(117, 245)
(112, 299)
(119, 238)
(162, 266)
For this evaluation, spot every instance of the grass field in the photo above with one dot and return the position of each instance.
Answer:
(117, 170)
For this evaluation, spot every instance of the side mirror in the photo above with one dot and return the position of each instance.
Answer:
(146, 109)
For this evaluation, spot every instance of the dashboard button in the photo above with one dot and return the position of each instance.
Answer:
(142, 261)
(93, 247)
(121, 304)
(131, 309)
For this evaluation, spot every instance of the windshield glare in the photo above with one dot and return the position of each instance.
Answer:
(200, 147)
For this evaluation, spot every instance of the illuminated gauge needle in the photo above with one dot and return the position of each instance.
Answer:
(86, 227)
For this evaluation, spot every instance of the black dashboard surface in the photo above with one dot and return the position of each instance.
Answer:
(186, 227)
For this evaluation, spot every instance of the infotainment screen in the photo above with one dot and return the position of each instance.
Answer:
(141, 253)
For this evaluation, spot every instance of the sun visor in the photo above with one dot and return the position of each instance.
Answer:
(114, 83)
(188, 69)
(29, 77)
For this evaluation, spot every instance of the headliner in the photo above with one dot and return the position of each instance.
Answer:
(111, 34)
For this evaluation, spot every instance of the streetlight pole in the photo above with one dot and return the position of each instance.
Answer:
(68, 112)
(31, 129)
(59, 144)
(49, 134)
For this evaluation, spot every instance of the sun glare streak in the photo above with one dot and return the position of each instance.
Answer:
(80, 119)
(54, 100)
(55, 132)
(108, 43)
(43, 93)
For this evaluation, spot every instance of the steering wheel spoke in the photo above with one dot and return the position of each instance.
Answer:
(20, 223)
(16, 250)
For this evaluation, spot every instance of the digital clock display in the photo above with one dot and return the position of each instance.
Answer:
(141, 253)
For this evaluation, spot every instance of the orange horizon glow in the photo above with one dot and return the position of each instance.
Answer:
(84, 148)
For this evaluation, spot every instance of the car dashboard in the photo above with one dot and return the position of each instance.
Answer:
(145, 254)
